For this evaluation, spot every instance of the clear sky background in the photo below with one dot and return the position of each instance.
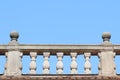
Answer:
(60, 21)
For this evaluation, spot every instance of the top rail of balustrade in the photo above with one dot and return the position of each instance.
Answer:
(66, 48)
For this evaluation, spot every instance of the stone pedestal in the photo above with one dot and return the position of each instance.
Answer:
(13, 57)
(106, 56)
(107, 65)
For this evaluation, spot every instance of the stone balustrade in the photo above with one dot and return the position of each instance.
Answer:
(14, 52)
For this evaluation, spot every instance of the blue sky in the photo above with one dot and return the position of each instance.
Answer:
(60, 21)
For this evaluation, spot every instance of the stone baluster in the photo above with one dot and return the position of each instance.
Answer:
(114, 65)
(46, 65)
(33, 56)
(87, 64)
(73, 63)
(21, 55)
(106, 56)
(59, 63)
(13, 64)
(6, 55)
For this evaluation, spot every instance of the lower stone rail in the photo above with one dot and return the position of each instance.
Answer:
(60, 77)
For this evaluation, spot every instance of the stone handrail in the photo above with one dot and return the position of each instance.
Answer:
(14, 52)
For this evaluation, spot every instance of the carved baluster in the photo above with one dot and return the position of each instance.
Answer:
(114, 54)
(21, 55)
(6, 55)
(46, 65)
(73, 63)
(59, 63)
(87, 65)
(99, 65)
(33, 56)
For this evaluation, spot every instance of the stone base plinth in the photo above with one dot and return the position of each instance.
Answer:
(59, 77)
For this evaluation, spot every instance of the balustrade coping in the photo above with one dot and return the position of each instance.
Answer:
(66, 48)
